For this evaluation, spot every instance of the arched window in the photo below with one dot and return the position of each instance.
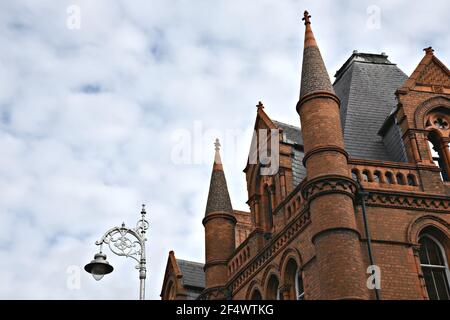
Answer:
(400, 178)
(269, 207)
(377, 176)
(365, 175)
(273, 290)
(355, 175)
(300, 291)
(389, 177)
(438, 154)
(293, 280)
(256, 295)
(434, 267)
(411, 180)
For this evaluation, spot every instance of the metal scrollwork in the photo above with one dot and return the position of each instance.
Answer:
(123, 243)
(130, 243)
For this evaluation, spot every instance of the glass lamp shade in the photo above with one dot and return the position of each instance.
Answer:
(97, 277)
(99, 266)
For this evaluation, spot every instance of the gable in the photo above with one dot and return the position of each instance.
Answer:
(434, 74)
(430, 75)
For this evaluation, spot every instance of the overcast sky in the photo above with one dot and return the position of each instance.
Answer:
(96, 120)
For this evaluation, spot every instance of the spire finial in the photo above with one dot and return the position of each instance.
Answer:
(143, 209)
(314, 74)
(428, 50)
(260, 105)
(306, 17)
(217, 145)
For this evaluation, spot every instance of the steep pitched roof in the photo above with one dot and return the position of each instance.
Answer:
(188, 275)
(218, 196)
(291, 134)
(366, 85)
(192, 273)
(315, 77)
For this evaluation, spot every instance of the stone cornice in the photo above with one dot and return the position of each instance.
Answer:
(393, 165)
(413, 201)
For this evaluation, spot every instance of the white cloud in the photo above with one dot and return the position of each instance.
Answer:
(87, 117)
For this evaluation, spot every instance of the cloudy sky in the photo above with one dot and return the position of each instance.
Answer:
(120, 107)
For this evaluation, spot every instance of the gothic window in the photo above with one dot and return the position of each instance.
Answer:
(269, 207)
(377, 176)
(299, 290)
(273, 290)
(437, 154)
(293, 280)
(434, 267)
(256, 295)
(438, 123)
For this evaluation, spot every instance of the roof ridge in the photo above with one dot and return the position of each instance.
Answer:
(354, 58)
(191, 262)
(286, 124)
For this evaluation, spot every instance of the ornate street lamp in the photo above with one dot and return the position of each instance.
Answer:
(124, 242)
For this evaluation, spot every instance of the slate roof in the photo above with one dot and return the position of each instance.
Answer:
(293, 135)
(366, 86)
(218, 196)
(193, 274)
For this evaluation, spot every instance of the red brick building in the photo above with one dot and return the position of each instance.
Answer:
(376, 140)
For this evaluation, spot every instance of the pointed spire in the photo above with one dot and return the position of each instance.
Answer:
(218, 197)
(315, 77)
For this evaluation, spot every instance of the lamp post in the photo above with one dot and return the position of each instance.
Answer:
(126, 242)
